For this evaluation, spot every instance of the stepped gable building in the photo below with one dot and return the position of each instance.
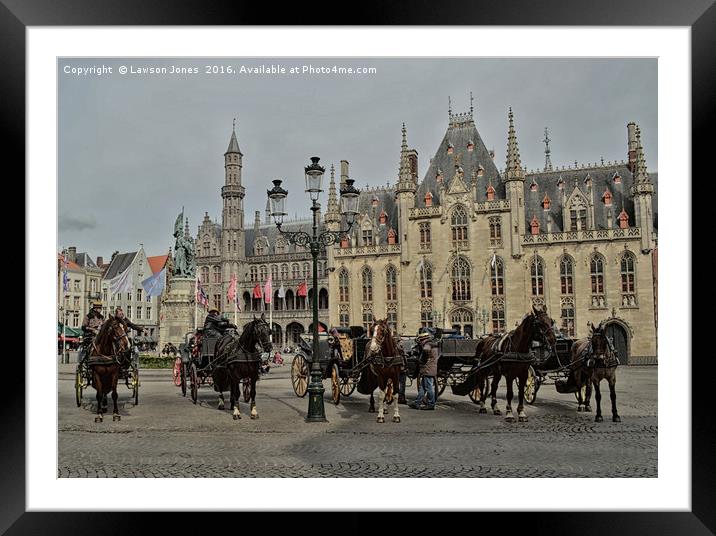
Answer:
(474, 248)
(227, 248)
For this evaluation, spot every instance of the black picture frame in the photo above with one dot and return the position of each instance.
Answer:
(699, 15)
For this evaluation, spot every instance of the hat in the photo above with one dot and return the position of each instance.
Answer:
(213, 310)
(424, 335)
(96, 304)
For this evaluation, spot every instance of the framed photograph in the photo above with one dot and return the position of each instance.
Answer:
(333, 264)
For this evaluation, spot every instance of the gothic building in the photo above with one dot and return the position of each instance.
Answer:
(473, 248)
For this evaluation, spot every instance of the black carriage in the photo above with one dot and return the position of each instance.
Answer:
(340, 360)
(128, 374)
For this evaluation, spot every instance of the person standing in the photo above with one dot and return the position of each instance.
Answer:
(428, 372)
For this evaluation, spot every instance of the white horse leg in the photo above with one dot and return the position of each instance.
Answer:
(221, 401)
(381, 405)
(396, 413)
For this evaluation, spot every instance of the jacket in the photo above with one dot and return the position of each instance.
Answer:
(430, 367)
(215, 323)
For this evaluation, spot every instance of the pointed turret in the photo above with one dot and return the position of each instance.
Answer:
(513, 169)
(642, 191)
(547, 159)
(406, 177)
(233, 142)
(333, 213)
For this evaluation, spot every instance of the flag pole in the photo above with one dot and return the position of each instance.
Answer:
(271, 317)
(236, 298)
(62, 307)
(196, 298)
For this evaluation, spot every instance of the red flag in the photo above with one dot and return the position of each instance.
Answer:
(231, 292)
(302, 289)
(268, 290)
(257, 291)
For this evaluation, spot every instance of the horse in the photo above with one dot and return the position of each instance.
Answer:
(490, 356)
(593, 360)
(238, 358)
(109, 352)
(381, 370)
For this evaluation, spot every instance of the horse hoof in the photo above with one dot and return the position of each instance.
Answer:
(496, 412)
(396, 419)
(254, 417)
(587, 409)
(616, 418)
(116, 418)
(98, 419)
(579, 409)
(236, 417)
(380, 419)
(482, 410)
(598, 418)
(510, 418)
(522, 419)
(220, 407)
(371, 410)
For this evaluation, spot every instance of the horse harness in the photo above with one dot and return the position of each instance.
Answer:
(609, 360)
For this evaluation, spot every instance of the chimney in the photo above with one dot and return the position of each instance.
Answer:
(72, 254)
(257, 220)
(344, 172)
(631, 136)
(114, 255)
(100, 262)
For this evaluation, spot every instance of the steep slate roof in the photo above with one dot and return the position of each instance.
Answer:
(84, 260)
(157, 263)
(386, 202)
(70, 265)
(459, 134)
(119, 264)
(271, 232)
(233, 144)
(601, 177)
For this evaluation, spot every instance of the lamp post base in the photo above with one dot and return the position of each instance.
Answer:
(316, 408)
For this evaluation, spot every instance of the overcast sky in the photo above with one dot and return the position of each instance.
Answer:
(134, 149)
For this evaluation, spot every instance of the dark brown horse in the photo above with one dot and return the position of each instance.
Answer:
(239, 358)
(593, 360)
(384, 363)
(508, 356)
(109, 351)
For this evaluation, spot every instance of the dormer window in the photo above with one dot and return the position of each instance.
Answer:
(374, 202)
(439, 175)
(480, 170)
(616, 178)
(470, 146)
(588, 181)
(391, 237)
(623, 219)
(560, 183)
(450, 148)
(546, 202)
(534, 225)
(490, 193)
(533, 186)
(428, 199)
(344, 242)
(607, 198)
(383, 218)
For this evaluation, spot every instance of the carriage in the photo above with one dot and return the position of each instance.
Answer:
(198, 364)
(128, 374)
(340, 360)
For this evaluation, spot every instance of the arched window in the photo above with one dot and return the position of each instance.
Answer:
(426, 280)
(254, 274)
(391, 316)
(323, 299)
(495, 231)
(461, 280)
(260, 249)
(391, 284)
(217, 274)
(578, 215)
(281, 246)
(566, 275)
(284, 272)
(367, 277)
(458, 224)
(295, 271)
(274, 272)
(247, 301)
(367, 318)
(263, 272)
(290, 306)
(343, 292)
(205, 249)
(628, 276)
(497, 277)
(306, 270)
(537, 276)
(204, 274)
(425, 238)
(596, 273)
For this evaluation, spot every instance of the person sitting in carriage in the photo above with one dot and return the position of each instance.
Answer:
(90, 327)
(215, 325)
(128, 324)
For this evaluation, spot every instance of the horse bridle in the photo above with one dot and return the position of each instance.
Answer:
(543, 334)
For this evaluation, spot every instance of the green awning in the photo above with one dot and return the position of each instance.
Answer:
(70, 332)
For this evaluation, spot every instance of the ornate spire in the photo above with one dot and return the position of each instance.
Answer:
(547, 160)
(641, 175)
(471, 106)
(233, 142)
(513, 169)
(405, 177)
(333, 212)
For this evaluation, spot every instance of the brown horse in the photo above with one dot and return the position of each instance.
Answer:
(110, 351)
(239, 358)
(508, 356)
(593, 360)
(384, 363)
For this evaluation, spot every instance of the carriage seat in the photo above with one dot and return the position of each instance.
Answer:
(346, 346)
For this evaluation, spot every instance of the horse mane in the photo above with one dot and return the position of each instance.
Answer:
(388, 339)
(103, 340)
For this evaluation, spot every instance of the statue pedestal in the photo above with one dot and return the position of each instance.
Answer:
(177, 312)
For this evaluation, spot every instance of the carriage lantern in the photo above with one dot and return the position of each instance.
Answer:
(316, 242)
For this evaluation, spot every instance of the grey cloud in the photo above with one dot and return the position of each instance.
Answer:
(77, 223)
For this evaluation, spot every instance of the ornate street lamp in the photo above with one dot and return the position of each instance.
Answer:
(317, 243)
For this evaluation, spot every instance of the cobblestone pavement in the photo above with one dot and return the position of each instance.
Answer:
(168, 436)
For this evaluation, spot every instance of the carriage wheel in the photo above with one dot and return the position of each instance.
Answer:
(299, 375)
(348, 385)
(335, 384)
(247, 389)
(135, 385)
(441, 383)
(78, 386)
(531, 386)
(182, 374)
(193, 382)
